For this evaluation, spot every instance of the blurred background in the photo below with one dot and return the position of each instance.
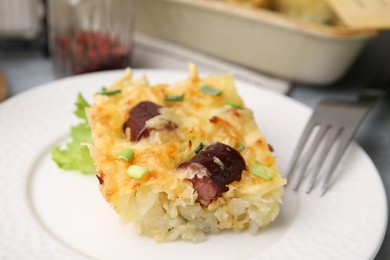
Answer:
(300, 48)
(302, 41)
(277, 43)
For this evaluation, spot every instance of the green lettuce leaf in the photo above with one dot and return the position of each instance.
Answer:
(81, 105)
(75, 155)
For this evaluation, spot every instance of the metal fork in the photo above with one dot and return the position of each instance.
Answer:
(336, 122)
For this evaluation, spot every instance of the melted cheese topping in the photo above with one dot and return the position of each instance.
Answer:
(200, 118)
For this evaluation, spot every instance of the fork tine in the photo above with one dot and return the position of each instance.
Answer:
(308, 129)
(309, 155)
(346, 138)
(331, 138)
(344, 117)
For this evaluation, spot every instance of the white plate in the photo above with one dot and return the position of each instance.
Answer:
(47, 213)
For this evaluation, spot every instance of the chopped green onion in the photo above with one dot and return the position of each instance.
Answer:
(136, 171)
(210, 90)
(241, 148)
(233, 104)
(262, 171)
(106, 92)
(174, 98)
(126, 154)
(199, 148)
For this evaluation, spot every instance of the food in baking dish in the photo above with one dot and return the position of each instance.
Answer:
(317, 11)
(182, 160)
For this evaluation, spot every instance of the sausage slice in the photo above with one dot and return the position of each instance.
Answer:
(139, 115)
(211, 170)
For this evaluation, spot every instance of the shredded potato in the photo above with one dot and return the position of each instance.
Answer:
(163, 204)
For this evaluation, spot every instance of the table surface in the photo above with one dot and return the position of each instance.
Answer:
(373, 135)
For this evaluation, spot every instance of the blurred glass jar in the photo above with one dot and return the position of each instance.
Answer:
(90, 35)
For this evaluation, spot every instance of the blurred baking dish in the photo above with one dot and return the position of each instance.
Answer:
(260, 39)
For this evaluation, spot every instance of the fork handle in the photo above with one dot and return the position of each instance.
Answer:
(377, 88)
